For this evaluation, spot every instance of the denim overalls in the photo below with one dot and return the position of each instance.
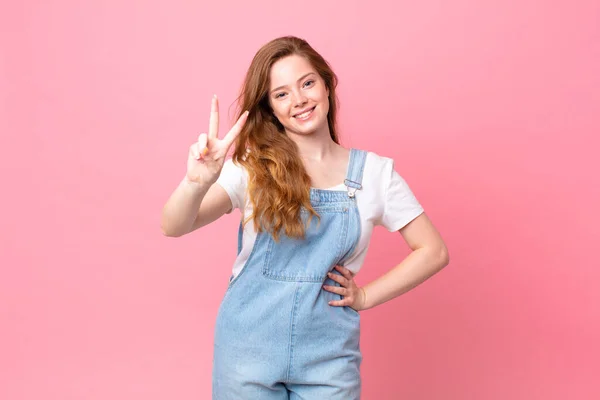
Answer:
(276, 336)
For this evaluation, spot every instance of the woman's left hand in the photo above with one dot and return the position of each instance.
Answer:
(354, 297)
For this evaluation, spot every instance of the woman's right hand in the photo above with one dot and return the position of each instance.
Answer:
(207, 156)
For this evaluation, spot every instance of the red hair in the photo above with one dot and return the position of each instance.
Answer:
(278, 184)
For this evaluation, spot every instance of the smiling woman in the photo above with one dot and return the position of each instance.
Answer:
(286, 79)
(310, 90)
(289, 325)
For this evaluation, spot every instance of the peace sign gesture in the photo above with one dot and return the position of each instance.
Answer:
(207, 156)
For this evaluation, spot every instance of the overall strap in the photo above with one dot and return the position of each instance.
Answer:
(356, 166)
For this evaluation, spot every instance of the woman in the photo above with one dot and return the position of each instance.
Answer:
(288, 326)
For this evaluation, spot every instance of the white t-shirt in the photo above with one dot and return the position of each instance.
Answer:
(385, 200)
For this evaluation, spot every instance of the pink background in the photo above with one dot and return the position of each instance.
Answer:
(490, 109)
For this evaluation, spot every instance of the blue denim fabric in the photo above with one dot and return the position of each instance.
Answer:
(276, 336)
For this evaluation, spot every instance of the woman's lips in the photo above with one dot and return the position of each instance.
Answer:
(305, 115)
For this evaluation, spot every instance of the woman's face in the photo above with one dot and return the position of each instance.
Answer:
(298, 95)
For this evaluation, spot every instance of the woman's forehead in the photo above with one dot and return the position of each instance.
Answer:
(288, 70)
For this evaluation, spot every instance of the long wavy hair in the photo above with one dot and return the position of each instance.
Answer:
(278, 184)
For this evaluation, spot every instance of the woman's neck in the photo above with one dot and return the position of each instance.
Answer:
(316, 146)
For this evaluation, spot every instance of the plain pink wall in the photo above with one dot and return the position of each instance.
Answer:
(490, 110)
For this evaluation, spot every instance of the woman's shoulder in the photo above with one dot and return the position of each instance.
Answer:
(234, 169)
(377, 168)
(376, 162)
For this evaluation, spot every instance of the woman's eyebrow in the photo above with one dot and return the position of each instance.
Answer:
(302, 77)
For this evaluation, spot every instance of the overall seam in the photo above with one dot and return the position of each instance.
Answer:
(292, 334)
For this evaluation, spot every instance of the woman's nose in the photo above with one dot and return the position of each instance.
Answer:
(299, 98)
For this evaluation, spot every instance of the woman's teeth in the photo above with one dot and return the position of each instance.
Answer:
(305, 115)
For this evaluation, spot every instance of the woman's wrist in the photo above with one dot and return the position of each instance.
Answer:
(364, 296)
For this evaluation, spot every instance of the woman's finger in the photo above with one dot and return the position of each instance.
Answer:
(336, 289)
(340, 303)
(213, 125)
(194, 151)
(338, 278)
(202, 144)
(236, 129)
(345, 272)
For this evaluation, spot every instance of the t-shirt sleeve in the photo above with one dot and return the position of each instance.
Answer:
(233, 180)
(400, 204)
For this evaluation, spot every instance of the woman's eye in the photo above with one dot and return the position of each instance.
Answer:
(307, 82)
(278, 95)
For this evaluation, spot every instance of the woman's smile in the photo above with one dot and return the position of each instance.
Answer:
(305, 115)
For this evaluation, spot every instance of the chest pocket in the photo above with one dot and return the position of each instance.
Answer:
(327, 242)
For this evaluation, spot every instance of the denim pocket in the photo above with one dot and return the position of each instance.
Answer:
(309, 259)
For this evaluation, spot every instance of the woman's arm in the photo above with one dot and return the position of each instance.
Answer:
(429, 255)
(197, 201)
(193, 205)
